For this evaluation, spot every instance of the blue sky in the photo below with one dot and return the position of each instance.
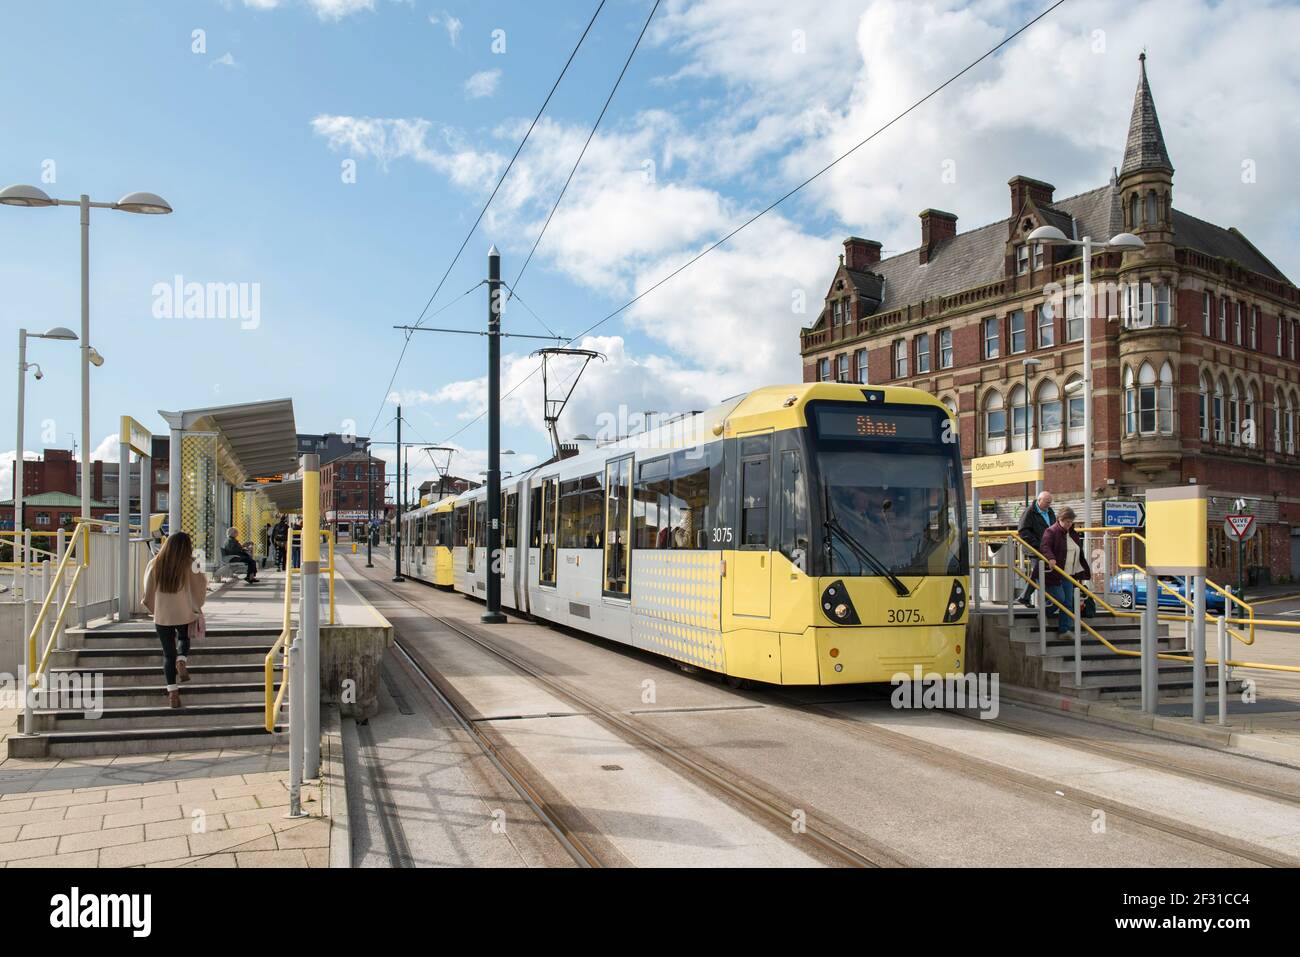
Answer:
(726, 104)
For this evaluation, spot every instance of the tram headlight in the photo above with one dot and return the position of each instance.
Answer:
(956, 603)
(837, 606)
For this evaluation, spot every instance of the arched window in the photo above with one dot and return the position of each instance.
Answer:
(1130, 403)
(1204, 407)
(1288, 423)
(1249, 426)
(1133, 211)
(1074, 410)
(1277, 419)
(1146, 399)
(995, 424)
(1049, 415)
(1234, 421)
(1153, 217)
(1218, 410)
(1016, 400)
(1165, 401)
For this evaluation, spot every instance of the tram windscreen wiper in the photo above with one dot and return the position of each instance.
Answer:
(861, 551)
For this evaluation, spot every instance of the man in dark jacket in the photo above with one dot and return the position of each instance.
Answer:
(1036, 520)
(235, 553)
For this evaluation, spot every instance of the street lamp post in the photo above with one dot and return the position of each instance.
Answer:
(1028, 364)
(1124, 242)
(58, 332)
(32, 196)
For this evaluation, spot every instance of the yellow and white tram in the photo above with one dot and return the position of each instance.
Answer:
(426, 543)
(808, 534)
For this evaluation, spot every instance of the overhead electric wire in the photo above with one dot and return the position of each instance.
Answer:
(483, 211)
(771, 206)
(583, 152)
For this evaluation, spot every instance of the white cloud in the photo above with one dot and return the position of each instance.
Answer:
(482, 84)
(262, 4)
(338, 9)
(386, 140)
(449, 23)
(226, 60)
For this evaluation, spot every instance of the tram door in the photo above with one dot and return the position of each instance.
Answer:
(550, 521)
(473, 529)
(752, 584)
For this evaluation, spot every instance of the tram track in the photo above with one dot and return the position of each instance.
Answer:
(836, 843)
(1004, 776)
(1107, 749)
(758, 798)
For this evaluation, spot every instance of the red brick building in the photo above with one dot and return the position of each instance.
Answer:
(343, 489)
(1196, 377)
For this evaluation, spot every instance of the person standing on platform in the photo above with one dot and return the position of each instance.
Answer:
(1033, 523)
(174, 594)
(1063, 546)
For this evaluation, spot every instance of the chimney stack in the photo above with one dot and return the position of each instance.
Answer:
(861, 254)
(936, 227)
(1024, 189)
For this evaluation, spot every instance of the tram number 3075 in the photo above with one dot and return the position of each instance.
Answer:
(905, 616)
(722, 534)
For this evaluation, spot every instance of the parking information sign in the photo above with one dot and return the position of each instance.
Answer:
(1239, 528)
(1123, 514)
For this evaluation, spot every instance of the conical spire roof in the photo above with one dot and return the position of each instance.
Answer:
(1146, 144)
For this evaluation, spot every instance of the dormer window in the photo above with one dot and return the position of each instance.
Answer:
(1022, 259)
(1038, 255)
(837, 315)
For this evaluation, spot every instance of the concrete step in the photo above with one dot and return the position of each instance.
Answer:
(1169, 691)
(141, 672)
(204, 653)
(1170, 677)
(142, 740)
(1057, 648)
(189, 715)
(112, 639)
(213, 692)
(1103, 664)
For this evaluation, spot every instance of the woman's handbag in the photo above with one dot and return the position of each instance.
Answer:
(199, 629)
(1089, 609)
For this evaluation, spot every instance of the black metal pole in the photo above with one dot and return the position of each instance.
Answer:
(370, 506)
(397, 532)
(492, 615)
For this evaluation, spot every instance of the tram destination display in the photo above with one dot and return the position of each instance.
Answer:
(907, 425)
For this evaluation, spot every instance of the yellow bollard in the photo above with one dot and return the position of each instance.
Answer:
(354, 548)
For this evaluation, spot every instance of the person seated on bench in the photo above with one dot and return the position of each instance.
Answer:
(233, 553)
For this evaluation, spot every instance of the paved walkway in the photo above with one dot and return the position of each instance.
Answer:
(184, 809)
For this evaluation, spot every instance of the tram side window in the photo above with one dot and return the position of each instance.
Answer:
(462, 526)
(571, 514)
(535, 519)
(650, 508)
(794, 511)
(511, 518)
(693, 502)
(755, 482)
(480, 532)
(419, 532)
(619, 482)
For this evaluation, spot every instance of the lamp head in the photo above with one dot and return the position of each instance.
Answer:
(1126, 241)
(58, 332)
(20, 195)
(95, 358)
(150, 203)
(1049, 236)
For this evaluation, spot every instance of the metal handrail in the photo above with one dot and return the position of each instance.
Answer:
(273, 700)
(1165, 655)
(81, 546)
(1225, 592)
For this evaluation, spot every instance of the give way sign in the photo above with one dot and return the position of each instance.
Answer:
(1239, 528)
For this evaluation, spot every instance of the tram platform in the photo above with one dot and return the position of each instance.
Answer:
(1263, 707)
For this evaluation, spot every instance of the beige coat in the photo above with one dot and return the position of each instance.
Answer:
(174, 608)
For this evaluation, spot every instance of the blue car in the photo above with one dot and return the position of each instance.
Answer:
(1133, 594)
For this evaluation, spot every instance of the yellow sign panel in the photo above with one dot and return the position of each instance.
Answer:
(1007, 469)
(1177, 519)
(135, 435)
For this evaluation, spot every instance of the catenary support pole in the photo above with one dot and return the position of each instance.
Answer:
(309, 633)
(397, 522)
(492, 613)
